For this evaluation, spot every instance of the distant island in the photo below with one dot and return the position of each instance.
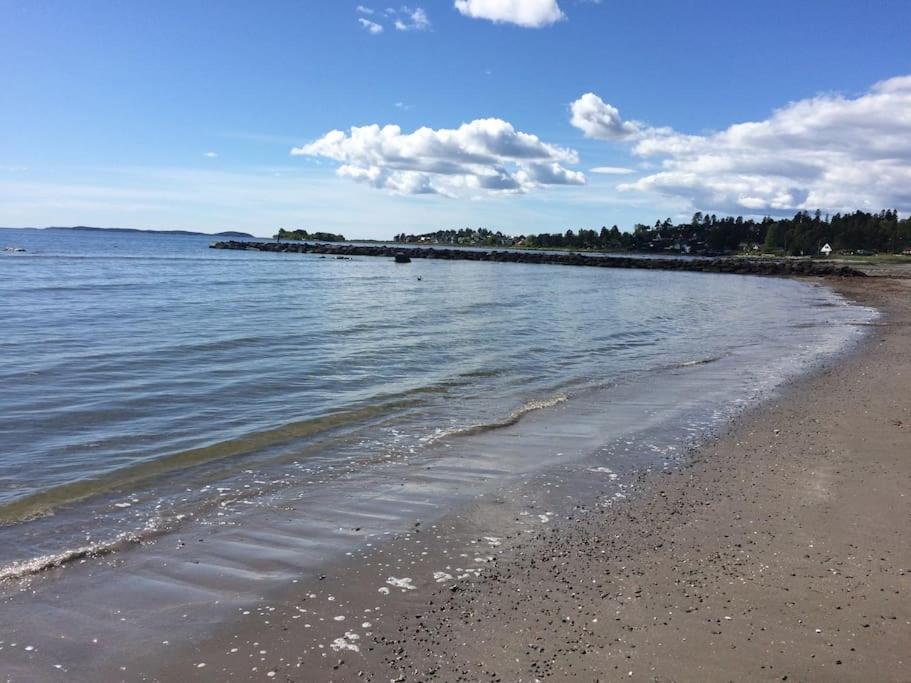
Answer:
(88, 228)
(301, 235)
(804, 234)
(707, 234)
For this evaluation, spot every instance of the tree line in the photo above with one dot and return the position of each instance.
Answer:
(804, 234)
(301, 235)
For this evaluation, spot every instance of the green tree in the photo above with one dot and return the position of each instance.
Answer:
(772, 237)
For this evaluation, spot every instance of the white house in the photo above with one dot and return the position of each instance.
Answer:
(826, 250)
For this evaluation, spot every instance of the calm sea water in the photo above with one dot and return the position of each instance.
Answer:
(145, 379)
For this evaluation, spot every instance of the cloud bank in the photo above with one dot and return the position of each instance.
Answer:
(527, 13)
(830, 152)
(485, 156)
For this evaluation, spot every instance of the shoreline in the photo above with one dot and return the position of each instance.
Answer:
(437, 599)
(403, 254)
(775, 553)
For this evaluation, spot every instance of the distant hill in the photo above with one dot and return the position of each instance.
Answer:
(87, 228)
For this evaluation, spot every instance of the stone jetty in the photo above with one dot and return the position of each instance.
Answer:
(741, 266)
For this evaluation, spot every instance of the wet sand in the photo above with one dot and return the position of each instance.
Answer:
(779, 552)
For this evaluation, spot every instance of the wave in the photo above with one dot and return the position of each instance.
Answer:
(130, 476)
(512, 419)
(36, 565)
(45, 502)
(699, 361)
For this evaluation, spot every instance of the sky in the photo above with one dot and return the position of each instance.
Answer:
(525, 116)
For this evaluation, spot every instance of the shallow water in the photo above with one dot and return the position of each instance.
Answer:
(283, 411)
(144, 378)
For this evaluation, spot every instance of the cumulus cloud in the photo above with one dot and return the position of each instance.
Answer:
(371, 26)
(527, 13)
(485, 156)
(830, 152)
(598, 119)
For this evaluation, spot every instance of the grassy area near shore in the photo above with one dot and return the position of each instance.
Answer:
(873, 259)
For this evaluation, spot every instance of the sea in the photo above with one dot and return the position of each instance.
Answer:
(153, 389)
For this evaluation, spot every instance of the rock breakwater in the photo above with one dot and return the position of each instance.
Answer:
(740, 266)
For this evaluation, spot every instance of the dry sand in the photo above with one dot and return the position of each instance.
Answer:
(780, 552)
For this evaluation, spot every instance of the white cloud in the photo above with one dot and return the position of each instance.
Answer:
(371, 26)
(527, 13)
(403, 18)
(259, 200)
(412, 20)
(612, 170)
(211, 155)
(829, 152)
(485, 156)
(597, 119)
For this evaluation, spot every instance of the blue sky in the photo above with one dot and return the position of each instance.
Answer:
(185, 114)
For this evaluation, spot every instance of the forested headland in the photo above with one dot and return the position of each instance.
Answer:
(804, 234)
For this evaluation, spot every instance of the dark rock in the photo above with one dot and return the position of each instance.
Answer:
(734, 266)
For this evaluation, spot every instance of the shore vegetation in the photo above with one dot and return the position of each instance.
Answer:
(858, 233)
(302, 235)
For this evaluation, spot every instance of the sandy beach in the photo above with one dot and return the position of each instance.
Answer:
(481, 341)
(779, 552)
